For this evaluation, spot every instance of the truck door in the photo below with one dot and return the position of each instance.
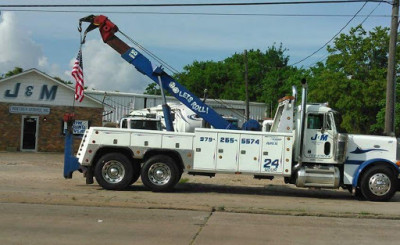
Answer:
(318, 138)
(227, 152)
(205, 144)
(250, 153)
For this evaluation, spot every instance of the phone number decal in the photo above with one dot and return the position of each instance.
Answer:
(250, 141)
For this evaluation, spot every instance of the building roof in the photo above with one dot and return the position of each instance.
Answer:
(52, 79)
(100, 92)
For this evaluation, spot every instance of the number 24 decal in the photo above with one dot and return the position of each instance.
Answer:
(271, 165)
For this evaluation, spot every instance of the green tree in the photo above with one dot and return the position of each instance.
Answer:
(153, 89)
(269, 76)
(353, 78)
(13, 72)
(63, 81)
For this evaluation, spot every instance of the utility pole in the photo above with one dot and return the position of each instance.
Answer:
(391, 72)
(246, 85)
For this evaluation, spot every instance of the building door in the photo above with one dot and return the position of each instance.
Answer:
(29, 133)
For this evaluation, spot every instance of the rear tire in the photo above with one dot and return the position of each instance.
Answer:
(378, 184)
(160, 173)
(114, 171)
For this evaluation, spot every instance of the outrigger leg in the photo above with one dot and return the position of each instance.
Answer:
(71, 163)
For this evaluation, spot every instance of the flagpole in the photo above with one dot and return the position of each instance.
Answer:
(73, 103)
(79, 52)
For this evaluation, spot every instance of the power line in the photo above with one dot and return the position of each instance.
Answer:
(323, 46)
(231, 109)
(155, 57)
(370, 14)
(192, 13)
(183, 4)
(362, 22)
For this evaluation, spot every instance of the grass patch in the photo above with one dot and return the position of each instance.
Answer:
(221, 208)
(183, 180)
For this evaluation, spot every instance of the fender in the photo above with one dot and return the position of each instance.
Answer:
(368, 163)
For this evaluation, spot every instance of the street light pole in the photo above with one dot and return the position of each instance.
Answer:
(391, 72)
(246, 80)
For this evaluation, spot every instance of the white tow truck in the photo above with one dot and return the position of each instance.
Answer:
(303, 146)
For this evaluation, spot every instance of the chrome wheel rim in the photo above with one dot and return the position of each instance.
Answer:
(379, 184)
(113, 172)
(159, 174)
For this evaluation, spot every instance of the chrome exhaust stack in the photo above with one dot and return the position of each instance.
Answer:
(294, 94)
(303, 107)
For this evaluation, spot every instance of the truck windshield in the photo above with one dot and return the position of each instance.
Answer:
(146, 124)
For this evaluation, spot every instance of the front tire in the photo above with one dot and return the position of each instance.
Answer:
(378, 184)
(114, 171)
(160, 173)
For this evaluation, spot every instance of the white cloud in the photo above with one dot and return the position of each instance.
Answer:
(43, 62)
(104, 69)
(17, 48)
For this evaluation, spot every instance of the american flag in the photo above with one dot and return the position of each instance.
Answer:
(77, 73)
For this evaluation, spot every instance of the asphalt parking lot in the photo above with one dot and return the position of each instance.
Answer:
(39, 206)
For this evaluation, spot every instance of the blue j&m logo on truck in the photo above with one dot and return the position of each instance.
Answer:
(322, 137)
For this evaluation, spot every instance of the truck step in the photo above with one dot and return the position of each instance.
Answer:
(263, 177)
(202, 174)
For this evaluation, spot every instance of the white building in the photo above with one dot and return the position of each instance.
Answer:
(118, 104)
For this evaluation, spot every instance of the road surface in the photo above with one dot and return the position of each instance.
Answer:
(39, 206)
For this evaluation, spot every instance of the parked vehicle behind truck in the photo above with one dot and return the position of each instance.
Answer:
(183, 119)
(149, 121)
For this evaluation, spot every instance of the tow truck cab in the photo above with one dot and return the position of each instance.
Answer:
(322, 143)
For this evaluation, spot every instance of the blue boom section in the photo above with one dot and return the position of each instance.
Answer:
(144, 66)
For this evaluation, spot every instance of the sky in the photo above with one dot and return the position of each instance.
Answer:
(49, 41)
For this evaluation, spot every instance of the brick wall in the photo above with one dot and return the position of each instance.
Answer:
(50, 128)
(10, 128)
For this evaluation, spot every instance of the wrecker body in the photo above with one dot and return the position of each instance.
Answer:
(303, 146)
